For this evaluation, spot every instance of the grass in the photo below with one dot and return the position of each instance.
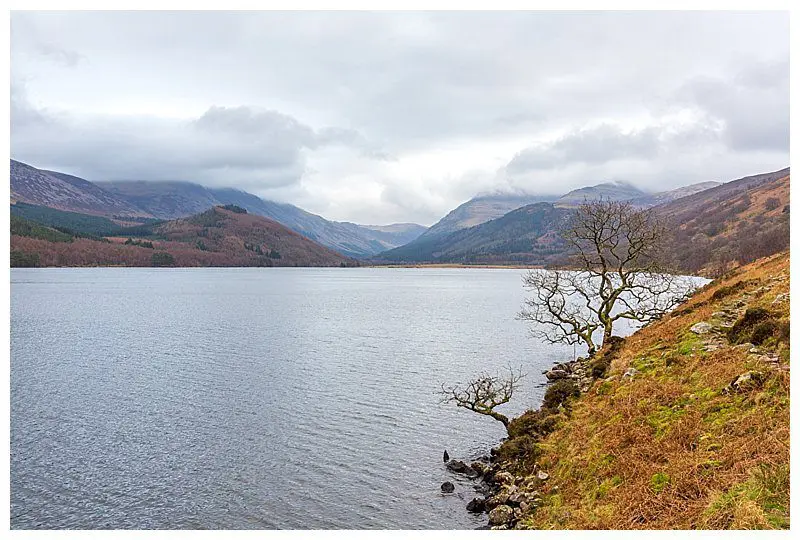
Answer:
(675, 448)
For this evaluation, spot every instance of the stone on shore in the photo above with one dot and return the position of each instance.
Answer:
(501, 515)
(448, 487)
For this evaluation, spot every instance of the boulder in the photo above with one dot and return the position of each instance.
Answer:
(448, 487)
(783, 297)
(501, 515)
(479, 467)
(503, 477)
(476, 505)
(749, 380)
(630, 373)
(556, 374)
(701, 328)
(457, 466)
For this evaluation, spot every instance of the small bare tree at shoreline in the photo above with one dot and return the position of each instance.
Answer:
(484, 393)
(617, 251)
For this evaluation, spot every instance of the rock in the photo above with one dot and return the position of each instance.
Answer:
(783, 297)
(501, 515)
(720, 315)
(541, 475)
(457, 466)
(556, 374)
(747, 381)
(476, 505)
(503, 477)
(630, 373)
(479, 467)
(448, 487)
(701, 328)
(446, 456)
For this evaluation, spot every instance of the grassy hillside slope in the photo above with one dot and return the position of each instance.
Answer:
(686, 430)
(217, 237)
(730, 225)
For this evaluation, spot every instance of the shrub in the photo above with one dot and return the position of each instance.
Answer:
(772, 203)
(235, 209)
(558, 393)
(763, 331)
(742, 330)
(533, 424)
(519, 450)
(162, 258)
(734, 288)
(20, 259)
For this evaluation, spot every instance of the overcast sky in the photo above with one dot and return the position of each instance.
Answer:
(394, 117)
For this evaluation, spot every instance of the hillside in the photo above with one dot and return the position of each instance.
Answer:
(480, 210)
(217, 237)
(715, 227)
(687, 429)
(65, 192)
(612, 191)
(664, 197)
(171, 200)
(731, 224)
(528, 235)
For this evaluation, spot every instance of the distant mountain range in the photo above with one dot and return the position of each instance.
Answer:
(220, 236)
(170, 200)
(715, 225)
(735, 223)
(65, 192)
(527, 235)
(487, 207)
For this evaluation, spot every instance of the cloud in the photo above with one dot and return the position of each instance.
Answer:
(241, 146)
(400, 116)
(752, 105)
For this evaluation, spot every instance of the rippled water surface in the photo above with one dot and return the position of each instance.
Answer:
(254, 398)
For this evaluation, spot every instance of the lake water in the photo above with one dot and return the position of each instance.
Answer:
(255, 398)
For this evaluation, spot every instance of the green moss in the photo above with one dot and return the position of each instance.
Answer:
(663, 419)
(659, 481)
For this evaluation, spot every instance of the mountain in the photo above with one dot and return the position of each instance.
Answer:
(220, 236)
(480, 210)
(731, 224)
(171, 200)
(613, 191)
(664, 197)
(527, 235)
(65, 192)
(716, 227)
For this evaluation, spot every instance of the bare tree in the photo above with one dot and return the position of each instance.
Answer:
(620, 273)
(484, 393)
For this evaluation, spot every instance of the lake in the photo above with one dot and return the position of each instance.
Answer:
(231, 398)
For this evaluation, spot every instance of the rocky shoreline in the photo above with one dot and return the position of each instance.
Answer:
(505, 496)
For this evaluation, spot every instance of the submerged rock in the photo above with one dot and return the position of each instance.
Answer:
(448, 487)
(457, 466)
(477, 505)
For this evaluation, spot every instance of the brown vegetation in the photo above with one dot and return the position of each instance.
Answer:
(218, 237)
(698, 437)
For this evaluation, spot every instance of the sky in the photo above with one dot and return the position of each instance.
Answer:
(382, 117)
